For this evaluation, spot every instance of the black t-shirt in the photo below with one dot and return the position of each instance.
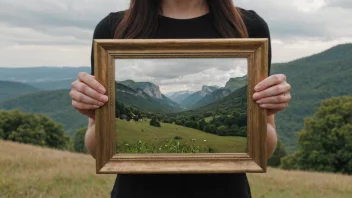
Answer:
(183, 185)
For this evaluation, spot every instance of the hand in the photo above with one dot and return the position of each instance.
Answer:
(87, 95)
(273, 93)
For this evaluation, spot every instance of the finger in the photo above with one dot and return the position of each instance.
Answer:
(88, 91)
(270, 81)
(283, 98)
(79, 97)
(91, 82)
(82, 106)
(272, 91)
(280, 106)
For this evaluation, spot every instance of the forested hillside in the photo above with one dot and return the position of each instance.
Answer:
(54, 104)
(313, 79)
(43, 78)
(9, 90)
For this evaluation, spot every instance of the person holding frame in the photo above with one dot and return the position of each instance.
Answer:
(181, 19)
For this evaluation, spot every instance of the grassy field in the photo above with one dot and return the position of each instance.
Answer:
(132, 132)
(34, 172)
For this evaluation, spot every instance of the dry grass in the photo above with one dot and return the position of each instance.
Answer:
(33, 172)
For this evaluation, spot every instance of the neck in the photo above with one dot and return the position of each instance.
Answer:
(184, 9)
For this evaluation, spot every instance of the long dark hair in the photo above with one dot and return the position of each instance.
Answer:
(141, 19)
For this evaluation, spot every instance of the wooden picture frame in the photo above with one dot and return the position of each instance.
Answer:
(108, 162)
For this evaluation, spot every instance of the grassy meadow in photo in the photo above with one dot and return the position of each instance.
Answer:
(162, 112)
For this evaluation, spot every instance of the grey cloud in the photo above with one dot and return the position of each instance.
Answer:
(340, 3)
(78, 18)
(75, 19)
(70, 23)
(14, 35)
(180, 74)
(173, 68)
(76, 13)
(286, 21)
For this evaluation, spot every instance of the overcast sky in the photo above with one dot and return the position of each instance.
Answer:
(173, 75)
(59, 32)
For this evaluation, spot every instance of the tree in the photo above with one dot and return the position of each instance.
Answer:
(55, 134)
(202, 124)
(242, 132)
(135, 118)
(32, 129)
(222, 130)
(2, 134)
(78, 142)
(118, 113)
(325, 142)
(154, 122)
(280, 152)
(189, 124)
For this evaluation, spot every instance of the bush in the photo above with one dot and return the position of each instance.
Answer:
(154, 122)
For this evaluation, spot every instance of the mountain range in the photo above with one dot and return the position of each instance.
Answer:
(146, 96)
(179, 95)
(313, 79)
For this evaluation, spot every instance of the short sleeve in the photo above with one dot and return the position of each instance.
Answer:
(101, 31)
(258, 28)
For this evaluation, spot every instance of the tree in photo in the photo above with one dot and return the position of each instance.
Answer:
(154, 122)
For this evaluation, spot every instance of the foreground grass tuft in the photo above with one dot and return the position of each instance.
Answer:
(167, 146)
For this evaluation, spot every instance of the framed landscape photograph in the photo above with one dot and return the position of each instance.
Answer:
(180, 106)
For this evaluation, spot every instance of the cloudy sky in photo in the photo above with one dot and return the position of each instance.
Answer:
(59, 32)
(173, 75)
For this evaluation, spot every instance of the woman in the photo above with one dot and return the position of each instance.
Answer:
(181, 19)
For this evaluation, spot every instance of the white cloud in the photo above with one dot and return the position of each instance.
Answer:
(309, 6)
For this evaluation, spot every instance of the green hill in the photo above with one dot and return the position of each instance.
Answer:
(54, 104)
(228, 116)
(53, 85)
(313, 79)
(236, 83)
(9, 90)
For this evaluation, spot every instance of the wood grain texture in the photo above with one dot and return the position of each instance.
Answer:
(108, 162)
(176, 166)
(104, 123)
